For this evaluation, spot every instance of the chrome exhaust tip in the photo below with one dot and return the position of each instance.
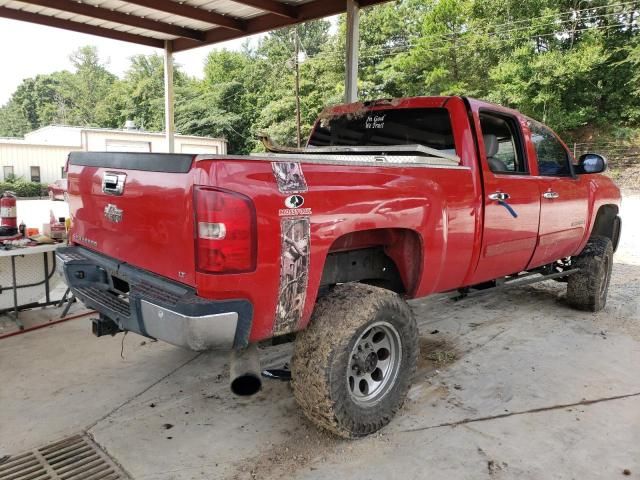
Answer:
(245, 379)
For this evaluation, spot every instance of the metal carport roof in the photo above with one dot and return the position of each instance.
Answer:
(187, 24)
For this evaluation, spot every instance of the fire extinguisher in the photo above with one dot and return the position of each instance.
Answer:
(8, 214)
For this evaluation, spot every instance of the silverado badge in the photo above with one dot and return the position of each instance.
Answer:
(113, 213)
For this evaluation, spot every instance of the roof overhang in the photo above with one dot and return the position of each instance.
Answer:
(187, 24)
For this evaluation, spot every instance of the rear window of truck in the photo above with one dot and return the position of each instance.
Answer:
(430, 127)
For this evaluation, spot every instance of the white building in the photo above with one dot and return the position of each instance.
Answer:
(41, 155)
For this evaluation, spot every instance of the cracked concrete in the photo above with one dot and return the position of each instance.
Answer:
(513, 385)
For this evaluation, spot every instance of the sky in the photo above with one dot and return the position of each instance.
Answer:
(30, 49)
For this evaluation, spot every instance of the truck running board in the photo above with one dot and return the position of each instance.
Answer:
(511, 282)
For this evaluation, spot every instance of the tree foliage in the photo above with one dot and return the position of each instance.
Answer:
(569, 63)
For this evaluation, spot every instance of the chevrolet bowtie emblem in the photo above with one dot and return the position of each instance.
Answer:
(112, 213)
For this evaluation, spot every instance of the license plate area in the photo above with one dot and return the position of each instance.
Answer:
(120, 287)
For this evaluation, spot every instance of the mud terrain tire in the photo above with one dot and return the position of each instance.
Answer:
(588, 288)
(337, 351)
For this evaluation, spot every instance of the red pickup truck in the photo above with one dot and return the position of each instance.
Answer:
(390, 200)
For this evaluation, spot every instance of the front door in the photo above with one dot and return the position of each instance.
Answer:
(563, 196)
(511, 199)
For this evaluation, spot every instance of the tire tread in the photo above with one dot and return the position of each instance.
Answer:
(336, 318)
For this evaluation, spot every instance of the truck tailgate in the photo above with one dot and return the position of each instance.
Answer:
(136, 208)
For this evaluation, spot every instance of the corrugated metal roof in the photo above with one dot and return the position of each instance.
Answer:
(187, 24)
(56, 136)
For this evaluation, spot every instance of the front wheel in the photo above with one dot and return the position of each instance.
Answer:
(588, 288)
(353, 365)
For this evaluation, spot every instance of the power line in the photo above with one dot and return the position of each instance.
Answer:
(462, 42)
(496, 35)
(493, 29)
(555, 15)
(493, 41)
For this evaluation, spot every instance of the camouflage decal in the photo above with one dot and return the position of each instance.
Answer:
(294, 273)
(289, 177)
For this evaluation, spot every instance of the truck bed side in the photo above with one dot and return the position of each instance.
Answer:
(422, 216)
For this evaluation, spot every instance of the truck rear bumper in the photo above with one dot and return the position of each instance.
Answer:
(139, 301)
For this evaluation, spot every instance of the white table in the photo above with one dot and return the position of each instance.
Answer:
(21, 252)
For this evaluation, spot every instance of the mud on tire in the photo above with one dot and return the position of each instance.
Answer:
(588, 288)
(355, 332)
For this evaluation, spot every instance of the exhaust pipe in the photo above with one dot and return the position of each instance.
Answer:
(245, 371)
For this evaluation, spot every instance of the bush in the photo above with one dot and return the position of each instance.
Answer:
(24, 189)
(12, 178)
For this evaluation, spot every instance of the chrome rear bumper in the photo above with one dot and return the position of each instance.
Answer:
(206, 332)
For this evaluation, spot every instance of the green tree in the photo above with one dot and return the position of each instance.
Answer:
(89, 86)
(12, 121)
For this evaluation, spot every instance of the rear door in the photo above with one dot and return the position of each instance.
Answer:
(511, 197)
(563, 197)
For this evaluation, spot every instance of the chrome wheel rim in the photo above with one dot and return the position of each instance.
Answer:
(374, 363)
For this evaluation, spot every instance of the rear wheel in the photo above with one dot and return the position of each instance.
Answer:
(588, 288)
(353, 365)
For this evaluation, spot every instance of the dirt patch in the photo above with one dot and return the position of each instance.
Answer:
(304, 446)
(622, 313)
(436, 354)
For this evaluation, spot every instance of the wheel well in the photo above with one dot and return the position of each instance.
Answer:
(387, 258)
(607, 224)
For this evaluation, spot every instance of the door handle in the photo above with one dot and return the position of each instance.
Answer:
(550, 195)
(113, 183)
(499, 196)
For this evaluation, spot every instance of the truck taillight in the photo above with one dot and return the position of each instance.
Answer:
(225, 231)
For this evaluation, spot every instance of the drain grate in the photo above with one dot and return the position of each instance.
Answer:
(74, 458)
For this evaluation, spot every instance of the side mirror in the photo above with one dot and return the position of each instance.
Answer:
(591, 163)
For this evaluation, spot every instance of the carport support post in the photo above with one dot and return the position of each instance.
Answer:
(169, 126)
(353, 37)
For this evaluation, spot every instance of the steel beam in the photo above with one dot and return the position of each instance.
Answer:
(118, 17)
(169, 126)
(194, 13)
(351, 66)
(48, 21)
(271, 6)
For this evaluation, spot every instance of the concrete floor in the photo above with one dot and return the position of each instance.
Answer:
(510, 385)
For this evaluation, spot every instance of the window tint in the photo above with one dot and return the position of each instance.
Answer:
(430, 127)
(553, 159)
(502, 144)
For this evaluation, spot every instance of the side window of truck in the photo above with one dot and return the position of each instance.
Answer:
(553, 158)
(503, 144)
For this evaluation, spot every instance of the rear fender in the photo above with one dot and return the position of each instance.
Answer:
(402, 246)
